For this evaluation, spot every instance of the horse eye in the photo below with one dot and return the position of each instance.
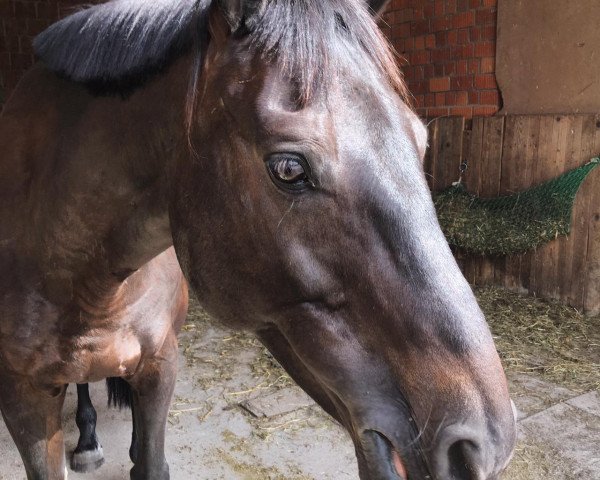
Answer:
(289, 171)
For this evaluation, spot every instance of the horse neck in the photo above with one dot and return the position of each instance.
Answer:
(96, 187)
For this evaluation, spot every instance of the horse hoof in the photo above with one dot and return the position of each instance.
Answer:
(87, 460)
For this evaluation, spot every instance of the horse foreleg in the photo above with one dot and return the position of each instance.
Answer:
(152, 391)
(33, 419)
(88, 455)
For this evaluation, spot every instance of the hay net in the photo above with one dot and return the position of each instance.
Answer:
(513, 223)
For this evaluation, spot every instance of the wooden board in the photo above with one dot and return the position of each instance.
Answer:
(507, 154)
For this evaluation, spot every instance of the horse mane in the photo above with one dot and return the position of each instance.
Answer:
(123, 41)
(118, 42)
(308, 37)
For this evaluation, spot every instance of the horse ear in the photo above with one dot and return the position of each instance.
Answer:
(376, 7)
(240, 13)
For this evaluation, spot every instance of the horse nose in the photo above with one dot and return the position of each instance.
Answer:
(465, 453)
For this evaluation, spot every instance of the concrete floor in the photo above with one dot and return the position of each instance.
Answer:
(211, 436)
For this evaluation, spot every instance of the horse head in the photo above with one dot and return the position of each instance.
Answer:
(303, 215)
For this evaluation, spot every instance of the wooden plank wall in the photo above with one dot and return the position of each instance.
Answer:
(506, 154)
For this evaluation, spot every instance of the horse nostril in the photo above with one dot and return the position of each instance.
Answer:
(461, 454)
(463, 457)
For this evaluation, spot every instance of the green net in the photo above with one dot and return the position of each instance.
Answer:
(513, 223)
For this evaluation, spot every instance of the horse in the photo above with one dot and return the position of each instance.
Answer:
(264, 153)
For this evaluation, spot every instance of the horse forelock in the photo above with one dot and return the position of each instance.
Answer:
(309, 39)
(120, 43)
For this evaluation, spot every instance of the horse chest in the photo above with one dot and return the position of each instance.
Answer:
(72, 350)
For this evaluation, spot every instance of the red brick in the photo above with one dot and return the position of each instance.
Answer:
(451, 6)
(441, 55)
(462, 51)
(420, 43)
(47, 10)
(461, 67)
(441, 39)
(419, 13)
(419, 73)
(461, 83)
(485, 17)
(485, 111)
(488, 65)
(450, 68)
(419, 101)
(475, 34)
(489, 97)
(422, 112)
(4, 61)
(488, 32)
(420, 27)
(463, 36)
(439, 69)
(401, 31)
(462, 98)
(26, 44)
(466, 112)
(485, 49)
(473, 66)
(35, 26)
(6, 9)
(490, 3)
(473, 97)
(437, 112)
(10, 43)
(439, 24)
(463, 5)
(409, 73)
(24, 9)
(419, 58)
(440, 99)
(440, 84)
(10, 79)
(430, 100)
(464, 19)
(452, 37)
(404, 15)
(418, 88)
(439, 8)
(21, 61)
(430, 41)
(474, 3)
(486, 81)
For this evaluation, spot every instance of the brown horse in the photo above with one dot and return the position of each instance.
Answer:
(267, 142)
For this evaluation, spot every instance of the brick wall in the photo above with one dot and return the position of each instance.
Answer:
(449, 54)
(20, 22)
(448, 46)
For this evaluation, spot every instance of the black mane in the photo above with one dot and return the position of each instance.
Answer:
(124, 40)
(118, 42)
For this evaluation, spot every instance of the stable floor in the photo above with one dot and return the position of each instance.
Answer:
(236, 415)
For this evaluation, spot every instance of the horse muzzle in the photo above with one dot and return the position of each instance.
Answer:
(458, 452)
(382, 459)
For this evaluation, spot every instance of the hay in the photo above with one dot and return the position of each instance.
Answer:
(511, 223)
(553, 341)
(534, 460)
(472, 225)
